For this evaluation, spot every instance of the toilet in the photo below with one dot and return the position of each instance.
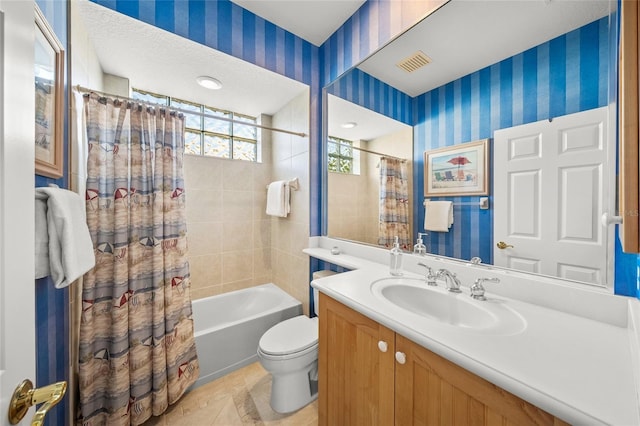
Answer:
(289, 351)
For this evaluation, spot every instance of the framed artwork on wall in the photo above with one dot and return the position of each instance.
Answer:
(49, 112)
(457, 170)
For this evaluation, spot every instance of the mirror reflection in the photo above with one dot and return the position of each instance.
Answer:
(473, 68)
(370, 181)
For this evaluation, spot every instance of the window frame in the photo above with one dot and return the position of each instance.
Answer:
(339, 142)
(202, 132)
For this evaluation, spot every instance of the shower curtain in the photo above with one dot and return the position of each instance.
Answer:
(137, 350)
(394, 203)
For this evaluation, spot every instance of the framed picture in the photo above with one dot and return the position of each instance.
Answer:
(457, 170)
(49, 84)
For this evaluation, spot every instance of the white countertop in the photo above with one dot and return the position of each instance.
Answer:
(579, 369)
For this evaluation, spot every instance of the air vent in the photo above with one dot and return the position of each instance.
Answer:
(414, 62)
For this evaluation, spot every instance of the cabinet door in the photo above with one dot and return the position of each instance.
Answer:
(355, 376)
(433, 391)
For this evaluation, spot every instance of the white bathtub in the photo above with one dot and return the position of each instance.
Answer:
(228, 327)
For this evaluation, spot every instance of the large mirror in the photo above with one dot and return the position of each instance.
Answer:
(469, 70)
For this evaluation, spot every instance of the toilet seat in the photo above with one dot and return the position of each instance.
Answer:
(293, 337)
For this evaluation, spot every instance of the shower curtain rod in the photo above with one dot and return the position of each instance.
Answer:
(373, 152)
(80, 88)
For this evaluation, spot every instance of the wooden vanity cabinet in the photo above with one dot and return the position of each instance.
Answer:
(360, 384)
(356, 378)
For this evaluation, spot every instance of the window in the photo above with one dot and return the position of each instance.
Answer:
(340, 155)
(208, 136)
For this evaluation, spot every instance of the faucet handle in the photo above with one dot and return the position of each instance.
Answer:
(477, 289)
(429, 277)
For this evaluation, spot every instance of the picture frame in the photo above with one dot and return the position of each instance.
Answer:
(49, 98)
(457, 170)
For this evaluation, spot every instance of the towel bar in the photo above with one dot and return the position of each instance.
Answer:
(483, 203)
(293, 184)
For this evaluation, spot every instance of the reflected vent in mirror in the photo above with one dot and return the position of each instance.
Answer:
(414, 62)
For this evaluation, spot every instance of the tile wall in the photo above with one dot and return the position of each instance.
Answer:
(228, 232)
(290, 235)
(233, 244)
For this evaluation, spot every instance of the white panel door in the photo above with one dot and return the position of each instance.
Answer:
(17, 289)
(552, 183)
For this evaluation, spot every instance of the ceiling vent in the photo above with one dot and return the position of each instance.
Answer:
(414, 62)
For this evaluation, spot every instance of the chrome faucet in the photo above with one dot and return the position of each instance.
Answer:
(429, 277)
(477, 289)
(451, 281)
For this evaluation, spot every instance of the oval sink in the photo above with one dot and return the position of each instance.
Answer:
(452, 309)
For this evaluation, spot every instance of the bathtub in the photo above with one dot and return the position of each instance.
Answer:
(228, 327)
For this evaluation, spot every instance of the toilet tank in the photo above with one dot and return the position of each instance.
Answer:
(317, 275)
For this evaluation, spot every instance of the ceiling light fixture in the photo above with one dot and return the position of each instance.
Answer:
(209, 82)
(349, 125)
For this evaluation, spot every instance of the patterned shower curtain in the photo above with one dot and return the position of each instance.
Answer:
(137, 348)
(394, 203)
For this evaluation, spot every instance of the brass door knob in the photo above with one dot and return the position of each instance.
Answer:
(502, 245)
(25, 396)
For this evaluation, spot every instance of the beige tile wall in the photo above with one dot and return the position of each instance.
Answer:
(290, 235)
(233, 244)
(228, 232)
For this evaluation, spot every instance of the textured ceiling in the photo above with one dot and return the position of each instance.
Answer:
(370, 124)
(159, 61)
(464, 36)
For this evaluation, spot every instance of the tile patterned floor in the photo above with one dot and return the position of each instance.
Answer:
(239, 398)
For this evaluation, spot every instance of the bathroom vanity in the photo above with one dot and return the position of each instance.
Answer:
(524, 356)
(384, 378)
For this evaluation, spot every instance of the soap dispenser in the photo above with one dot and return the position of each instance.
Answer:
(420, 248)
(395, 262)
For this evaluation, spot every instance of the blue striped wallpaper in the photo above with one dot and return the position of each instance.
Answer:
(365, 90)
(565, 75)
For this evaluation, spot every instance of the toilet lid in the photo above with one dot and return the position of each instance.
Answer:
(290, 336)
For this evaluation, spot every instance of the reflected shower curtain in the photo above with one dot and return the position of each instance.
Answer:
(394, 203)
(137, 348)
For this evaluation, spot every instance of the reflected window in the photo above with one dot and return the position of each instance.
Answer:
(208, 135)
(340, 155)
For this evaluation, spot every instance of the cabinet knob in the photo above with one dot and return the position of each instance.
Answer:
(382, 345)
(401, 357)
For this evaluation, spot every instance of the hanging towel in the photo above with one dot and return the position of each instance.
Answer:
(278, 199)
(64, 249)
(438, 215)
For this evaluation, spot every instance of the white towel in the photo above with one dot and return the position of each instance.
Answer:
(438, 215)
(64, 249)
(278, 199)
